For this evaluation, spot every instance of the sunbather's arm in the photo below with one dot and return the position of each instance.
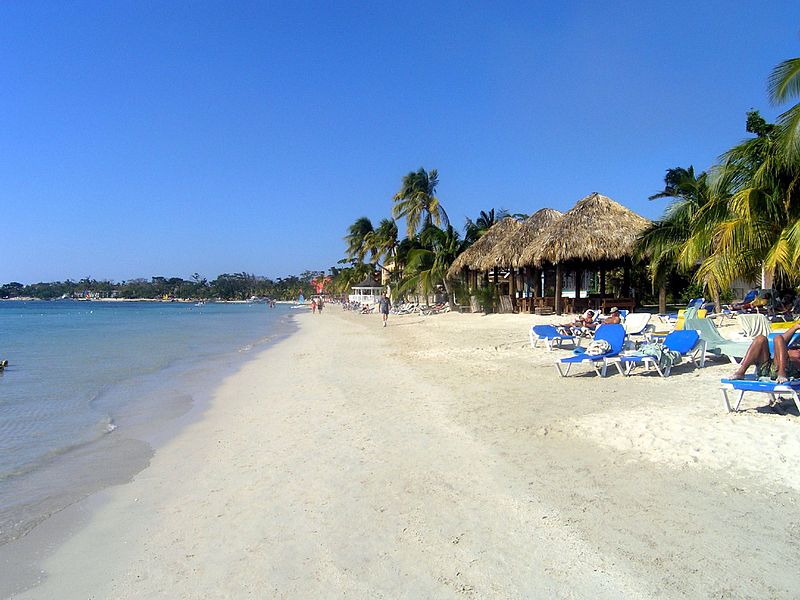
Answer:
(787, 335)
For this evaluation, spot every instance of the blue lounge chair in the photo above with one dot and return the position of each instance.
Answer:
(686, 342)
(751, 384)
(551, 337)
(613, 334)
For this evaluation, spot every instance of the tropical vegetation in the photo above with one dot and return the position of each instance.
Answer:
(742, 217)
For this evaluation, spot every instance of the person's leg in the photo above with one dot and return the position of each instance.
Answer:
(781, 358)
(757, 354)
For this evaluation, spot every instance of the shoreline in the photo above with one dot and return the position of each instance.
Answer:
(442, 457)
(138, 432)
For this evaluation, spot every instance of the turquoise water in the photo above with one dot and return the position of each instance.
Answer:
(91, 387)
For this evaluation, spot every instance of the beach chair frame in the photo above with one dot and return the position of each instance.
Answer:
(626, 364)
(771, 389)
(550, 341)
(598, 363)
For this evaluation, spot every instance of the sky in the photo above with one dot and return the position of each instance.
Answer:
(143, 138)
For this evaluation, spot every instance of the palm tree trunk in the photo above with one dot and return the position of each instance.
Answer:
(717, 303)
(450, 295)
(662, 300)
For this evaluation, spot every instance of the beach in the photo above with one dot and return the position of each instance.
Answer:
(442, 457)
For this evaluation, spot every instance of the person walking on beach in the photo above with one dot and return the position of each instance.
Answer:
(319, 305)
(313, 306)
(383, 307)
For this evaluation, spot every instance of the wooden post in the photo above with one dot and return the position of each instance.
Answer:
(602, 281)
(512, 285)
(626, 279)
(557, 302)
(578, 277)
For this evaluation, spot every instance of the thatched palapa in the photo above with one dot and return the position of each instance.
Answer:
(596, 229)
(519, 249)
(473, 257)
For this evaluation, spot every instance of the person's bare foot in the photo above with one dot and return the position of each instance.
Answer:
(781, 379)
(736, 375)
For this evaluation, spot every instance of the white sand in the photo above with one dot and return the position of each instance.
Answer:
(442, 457)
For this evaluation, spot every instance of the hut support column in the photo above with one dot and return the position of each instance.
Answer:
(602, 281)
(512, 285)
(578, 277)
(557, 302)
(626, 279)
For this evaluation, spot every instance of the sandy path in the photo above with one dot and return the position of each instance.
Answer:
(422, 461)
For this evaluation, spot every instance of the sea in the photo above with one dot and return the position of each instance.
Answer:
(93, 388)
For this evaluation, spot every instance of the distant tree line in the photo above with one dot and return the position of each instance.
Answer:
(228, 286)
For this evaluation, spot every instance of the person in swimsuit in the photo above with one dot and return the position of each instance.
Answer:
(781, 366)
(383, 306)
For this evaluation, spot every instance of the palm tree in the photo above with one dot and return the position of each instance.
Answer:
(784, 85)
(417, 201)
(427, 266)
(754, 220)
(382, 242)
(663, 242)
(358, 239)
(475, 229)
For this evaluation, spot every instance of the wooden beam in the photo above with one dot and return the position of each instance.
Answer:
(557, 302)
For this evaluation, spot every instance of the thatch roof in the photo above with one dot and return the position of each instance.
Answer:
(518, 249)
(369, 282)
(472, 257)
(595, 229)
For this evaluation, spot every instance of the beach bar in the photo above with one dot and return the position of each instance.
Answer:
(597, 235)
(558, 263)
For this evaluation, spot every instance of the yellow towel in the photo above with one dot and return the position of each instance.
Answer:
(701, 314)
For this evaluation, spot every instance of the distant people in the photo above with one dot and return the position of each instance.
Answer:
(313, 306)
(613, 317)
(383, 307)
(319, 305)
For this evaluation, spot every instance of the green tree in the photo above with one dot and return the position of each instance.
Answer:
(784, 85)
(475, 229)
(358, 239)
(427, 266)
(417, 202)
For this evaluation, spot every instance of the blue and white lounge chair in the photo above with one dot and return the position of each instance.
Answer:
(685, 342)
(551, 337)
(751, 384)
(613, 334)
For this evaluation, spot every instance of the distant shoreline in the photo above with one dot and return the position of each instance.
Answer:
(176, 300)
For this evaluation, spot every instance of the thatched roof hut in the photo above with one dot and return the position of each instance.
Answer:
(520, 248)
(473, 257)
(596, 229)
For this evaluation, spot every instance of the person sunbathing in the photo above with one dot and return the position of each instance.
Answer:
(582, 325)
(782, 365)
(613, 318)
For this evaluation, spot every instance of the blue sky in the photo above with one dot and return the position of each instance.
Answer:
(162, 138)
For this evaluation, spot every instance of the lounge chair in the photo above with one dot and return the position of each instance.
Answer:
(551, 337)
(638, 325)
(613, 334)
(752, 384)
(686, 342)
(715, 343)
